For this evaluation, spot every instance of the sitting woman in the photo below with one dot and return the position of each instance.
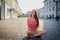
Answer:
(33, 24)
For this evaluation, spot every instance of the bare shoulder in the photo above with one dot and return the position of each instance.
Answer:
(28, 19)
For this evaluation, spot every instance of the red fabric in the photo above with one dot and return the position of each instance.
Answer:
(32, 25)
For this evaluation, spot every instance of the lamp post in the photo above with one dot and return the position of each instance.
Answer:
(57, 1)
(57, 10)
(10, 10)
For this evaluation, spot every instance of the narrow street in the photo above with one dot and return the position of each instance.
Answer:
(15, 29)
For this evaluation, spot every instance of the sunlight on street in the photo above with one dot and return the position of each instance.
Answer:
(15, 28)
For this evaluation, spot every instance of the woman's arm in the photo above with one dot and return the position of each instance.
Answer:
(28, 24)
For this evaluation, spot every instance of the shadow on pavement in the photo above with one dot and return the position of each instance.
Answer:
(35, 38)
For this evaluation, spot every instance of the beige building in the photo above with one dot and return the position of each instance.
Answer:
(0, 9)
(18, 10)
(10, 9)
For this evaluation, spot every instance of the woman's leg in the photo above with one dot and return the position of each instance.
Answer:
(29, 33)
(39, 33)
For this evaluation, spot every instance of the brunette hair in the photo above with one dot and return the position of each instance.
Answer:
(36, 18)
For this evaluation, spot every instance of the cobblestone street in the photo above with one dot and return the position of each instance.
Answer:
(53, 29)
(14, 29)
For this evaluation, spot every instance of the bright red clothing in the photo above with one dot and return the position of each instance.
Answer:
(32, 25)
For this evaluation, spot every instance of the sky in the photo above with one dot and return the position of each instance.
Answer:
(28, 5)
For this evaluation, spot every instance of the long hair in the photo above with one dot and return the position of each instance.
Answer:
(36, 18)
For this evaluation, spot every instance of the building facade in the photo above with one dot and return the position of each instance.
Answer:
(0, 9)
(50, 8)
(28, 13)
(41, 12)
(9, 9)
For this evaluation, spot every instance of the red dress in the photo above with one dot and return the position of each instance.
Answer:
(32, 26)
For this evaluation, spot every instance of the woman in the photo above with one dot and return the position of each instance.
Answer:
(33, 24)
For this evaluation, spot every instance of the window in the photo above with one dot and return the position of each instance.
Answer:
(53, 0)
(46, 3)
(59, 0)
(53, 8)
(49, 2)
(7, 11)
(49, 9)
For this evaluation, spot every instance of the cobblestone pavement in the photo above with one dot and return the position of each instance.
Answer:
(53, 29)
(14, 29)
